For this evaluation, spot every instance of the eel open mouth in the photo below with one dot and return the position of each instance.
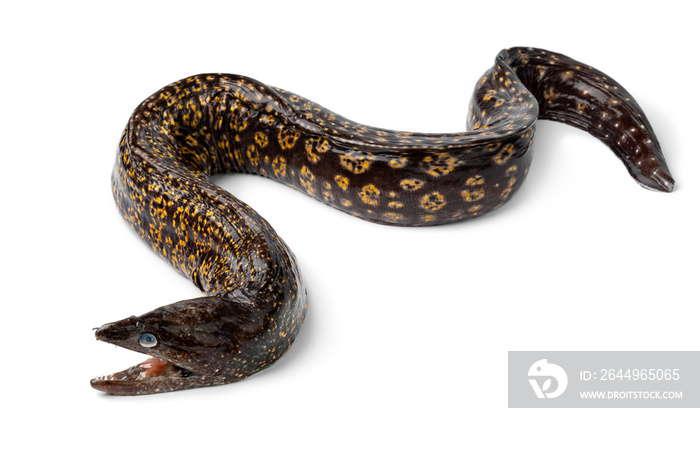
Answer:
(152, 367)
(151, 376)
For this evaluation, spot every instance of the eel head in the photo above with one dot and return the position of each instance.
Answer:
(190, 343)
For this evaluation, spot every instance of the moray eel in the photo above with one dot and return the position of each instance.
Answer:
(255, 300)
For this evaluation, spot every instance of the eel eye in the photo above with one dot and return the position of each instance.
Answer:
(148, 340)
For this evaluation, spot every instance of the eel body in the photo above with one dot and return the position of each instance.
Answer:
(254, 299)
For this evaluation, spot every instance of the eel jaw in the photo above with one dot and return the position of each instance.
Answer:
(154, 375)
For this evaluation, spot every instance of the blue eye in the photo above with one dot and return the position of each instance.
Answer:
(148, 340)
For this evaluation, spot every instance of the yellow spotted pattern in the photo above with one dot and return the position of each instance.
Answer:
(355, 163)
(370, 195)
(316, 147)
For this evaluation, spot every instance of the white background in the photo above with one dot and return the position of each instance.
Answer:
(403, 356)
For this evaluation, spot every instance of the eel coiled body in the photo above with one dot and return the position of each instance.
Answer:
(255, 300)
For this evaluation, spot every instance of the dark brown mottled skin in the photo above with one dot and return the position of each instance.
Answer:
(255, 301)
